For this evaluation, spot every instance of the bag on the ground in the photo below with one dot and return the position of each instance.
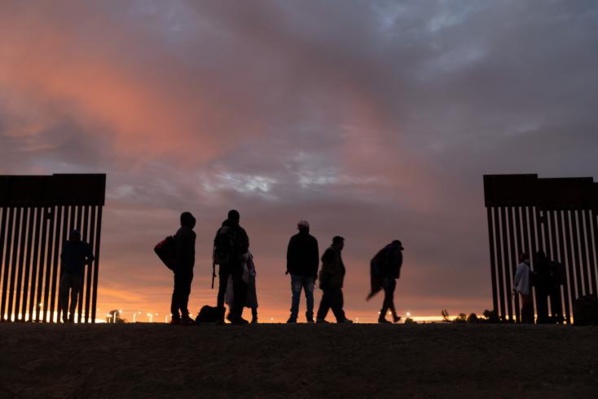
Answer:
(165, 250)
(210, 314)
(585, 311)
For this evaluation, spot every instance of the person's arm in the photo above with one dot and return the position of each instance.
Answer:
(290, 254)
(315, 258)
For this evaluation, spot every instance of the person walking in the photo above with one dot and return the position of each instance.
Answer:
(73, 258)
(302, 264)
(231, 247)
(385, 268)
(522, 286)
(184, 241)
(331, 280)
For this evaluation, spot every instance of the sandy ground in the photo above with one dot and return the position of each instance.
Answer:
(298, 361)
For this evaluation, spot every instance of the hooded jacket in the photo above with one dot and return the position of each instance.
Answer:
(184, 240)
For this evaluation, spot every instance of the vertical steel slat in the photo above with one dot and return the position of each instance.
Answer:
(490, 216)
(28, 247)
(570, 264)
(585, 272)
(43, 256)
(6, 263)
(575, 243)
(96, 263)
(563, 261)
(503, 252)
(511, 266)
(88, 271)
(14, 264)
(48, 308)
(39, 212)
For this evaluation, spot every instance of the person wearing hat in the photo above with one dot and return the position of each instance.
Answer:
(331, 279)
(302, 264)
(385, 268)
(73, 258)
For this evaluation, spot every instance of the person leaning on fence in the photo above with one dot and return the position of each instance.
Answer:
(331, 279)
(75, 255)
(385, 268)
(523, 287)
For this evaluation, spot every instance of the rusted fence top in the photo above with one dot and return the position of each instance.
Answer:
(57, 189)
(550, 193)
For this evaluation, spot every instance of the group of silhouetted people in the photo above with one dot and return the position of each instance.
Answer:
(236, 273)
(547, 278)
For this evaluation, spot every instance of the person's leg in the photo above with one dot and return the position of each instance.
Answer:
(392, 284)
(223, 274)
(296, 285)
(175, 301)
(527, 309)
(64, 296)
(556, 304)
(76, 286)
(324, 306)
(542, 304)
(308, 286)
(254, 315)
(240, 294)
(187, 279)
(336, 304)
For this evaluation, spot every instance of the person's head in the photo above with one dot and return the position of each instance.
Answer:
(524, 257)
(397, 244)
(338, 242)
(75, 235)
(187, 220)
(540, 255)
(234, 217)
(303, 226)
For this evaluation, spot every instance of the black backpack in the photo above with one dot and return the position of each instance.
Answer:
(166, 251)
(223, 245)
(210, 314)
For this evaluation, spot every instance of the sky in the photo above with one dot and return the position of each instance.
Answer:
(374, 120)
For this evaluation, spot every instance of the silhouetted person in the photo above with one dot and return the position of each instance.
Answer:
(75, 255)
(184, 240)
(302, 264)
(522, 285)
(251, 299)
(332, 275)
(385, 268)
(249, 274)
(223, 244)
(231, 245)
(542, 282)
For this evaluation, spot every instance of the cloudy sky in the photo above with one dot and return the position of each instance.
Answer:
(374, 120)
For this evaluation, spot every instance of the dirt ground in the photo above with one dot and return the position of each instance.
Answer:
(298, 361)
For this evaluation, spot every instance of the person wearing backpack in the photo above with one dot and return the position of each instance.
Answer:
(231, 247)
(302, 264)
(184, 262)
